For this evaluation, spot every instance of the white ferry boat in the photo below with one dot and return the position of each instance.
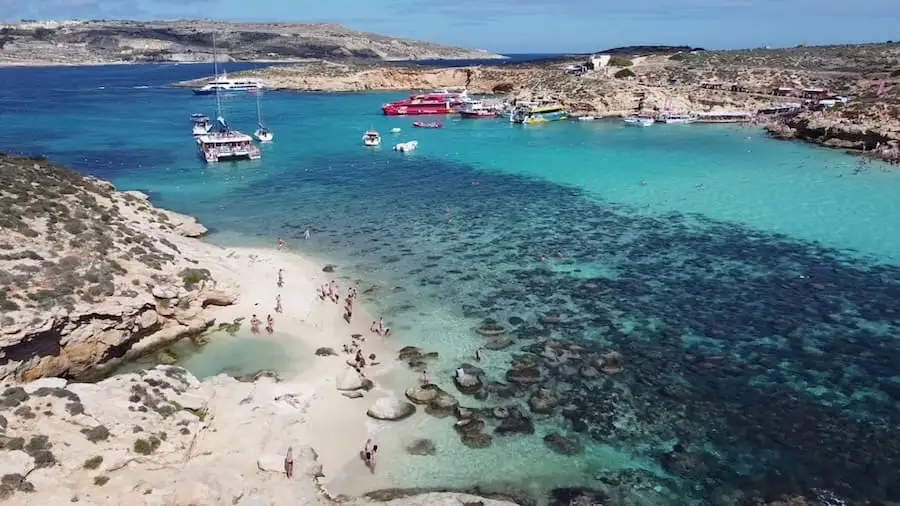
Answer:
(223, 84)
(724, 117)
(227, 145)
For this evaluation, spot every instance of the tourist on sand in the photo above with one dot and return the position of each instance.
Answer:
(387, 332)
(278, 308)
(255, 322)
(306, 234)
(368, 454)
(280, 278)
(280, 244)
(289, 462)
(270, 324)
(381, 326)
(374, 327)
(426, 378)
(478, 354)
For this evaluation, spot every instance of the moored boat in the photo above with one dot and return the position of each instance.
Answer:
(371, 138)
(724, 117)
(223, 84)
(433, 124)
(262, 134)
(406, 146)
(675, 119)
(227, 145)
(530, 114)
(439, 102)
(586, 118)
(201, 124)
(475, 109)
(640, 121)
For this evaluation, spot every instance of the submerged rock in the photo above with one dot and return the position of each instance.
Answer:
(563, 445)
(468, 384)
(490, 329)
(499, 343)
(421, 447)
(543, 401)
(325, 352)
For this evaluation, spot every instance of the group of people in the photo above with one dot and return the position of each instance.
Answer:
(348, 305)
(379, 328)
(329, 290)
(255, 322)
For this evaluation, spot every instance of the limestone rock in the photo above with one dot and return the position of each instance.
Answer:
(543, 401)
(563, 445)
(350, 380)
(353, 394)
(391, 408)
(37, 384)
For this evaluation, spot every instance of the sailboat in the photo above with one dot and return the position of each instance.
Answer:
(225, 143)
(262, 133)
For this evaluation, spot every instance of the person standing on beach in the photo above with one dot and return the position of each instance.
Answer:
(280, 278)
(280, 244)
(278, 308)
(426, 378)
(478, 354)
(289, 462)
(306, 234)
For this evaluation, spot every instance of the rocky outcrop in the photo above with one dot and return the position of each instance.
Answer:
(170, 437)
(880, 136)
(91, 42)
(391, 408)
(92, 277)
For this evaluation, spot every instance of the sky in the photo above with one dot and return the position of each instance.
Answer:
(529, 26)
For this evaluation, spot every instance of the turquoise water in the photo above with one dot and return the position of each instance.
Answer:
(750, 284)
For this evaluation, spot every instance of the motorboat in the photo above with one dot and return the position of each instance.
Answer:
(202, 124)
(433, 124)
(586, 118)
(639, 121)
(371, 138)
(396, 130)
(404, 147)
(263, 134)
(528, 114)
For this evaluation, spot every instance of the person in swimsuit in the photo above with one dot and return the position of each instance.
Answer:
(289, 463)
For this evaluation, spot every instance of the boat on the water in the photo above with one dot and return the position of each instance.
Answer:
(724, 117)
(527, 114)
(371, 138)
(475, 109)
(406, 146)
(227, 145)
(639, 121)
(223, 84)
(433, 124)
(438, 102)
(675, 119)
(262, 133)
(201, 124)
(586, 118)
(396, 130)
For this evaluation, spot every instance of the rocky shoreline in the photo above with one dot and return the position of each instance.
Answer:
(682, 82)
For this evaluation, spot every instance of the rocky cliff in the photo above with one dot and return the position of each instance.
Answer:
(87, 42)
(89, 276)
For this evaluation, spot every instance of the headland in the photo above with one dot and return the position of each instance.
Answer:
(99, 42)
(93, 277)
(845, 97)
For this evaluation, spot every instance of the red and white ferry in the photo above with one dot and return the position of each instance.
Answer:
(437, 102)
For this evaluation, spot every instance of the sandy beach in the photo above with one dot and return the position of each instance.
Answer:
(337, 426)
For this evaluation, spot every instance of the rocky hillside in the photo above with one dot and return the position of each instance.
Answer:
(85, 42)
(90, 276)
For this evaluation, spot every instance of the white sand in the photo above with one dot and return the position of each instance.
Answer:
(337, 426)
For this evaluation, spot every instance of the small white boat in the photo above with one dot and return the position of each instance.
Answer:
(586, 118)
(262, 133)
(202, 124)
(371, 138)
(396, 130)
(640, 121)
(403, 147)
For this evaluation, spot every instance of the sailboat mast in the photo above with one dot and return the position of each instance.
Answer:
(216, 78)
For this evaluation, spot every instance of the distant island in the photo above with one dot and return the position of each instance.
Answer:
(106, 42)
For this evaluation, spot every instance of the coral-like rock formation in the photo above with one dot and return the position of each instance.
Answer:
(91, 276)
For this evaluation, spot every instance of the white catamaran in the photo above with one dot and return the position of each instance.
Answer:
(225, 143)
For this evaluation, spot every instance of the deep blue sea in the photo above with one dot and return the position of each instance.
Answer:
(751, 285)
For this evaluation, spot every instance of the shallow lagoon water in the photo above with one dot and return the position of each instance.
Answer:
(751, 285)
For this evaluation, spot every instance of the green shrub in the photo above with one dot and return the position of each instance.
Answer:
(192, 277)
(146, 446)
(93, 462)
(678, 57)
(503, 88)
(622, 74)
(100, 480)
